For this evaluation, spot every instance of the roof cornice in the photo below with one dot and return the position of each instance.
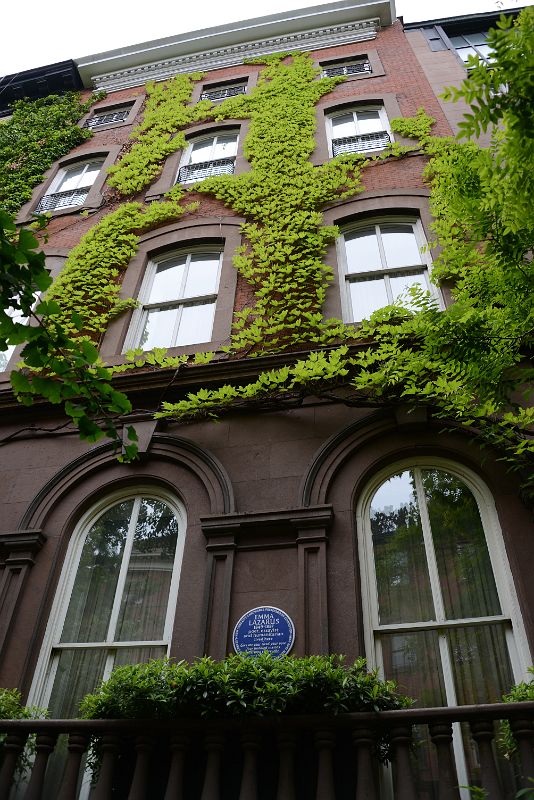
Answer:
(306, 29)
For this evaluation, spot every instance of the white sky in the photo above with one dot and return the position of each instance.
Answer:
(38, 33)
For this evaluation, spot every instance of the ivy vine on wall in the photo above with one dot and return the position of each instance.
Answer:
(465, 362)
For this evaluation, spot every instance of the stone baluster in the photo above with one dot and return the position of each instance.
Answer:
(325, 742)
(441, 735)
(44, 745)
(286, 767)
(13, 747)
(524, 733)
(110, 749)
(401, 739)
(175, 781)
(483, 733)
(212, 779)
(76, 748)
(143, 748)
(250, 743)
(363, 739)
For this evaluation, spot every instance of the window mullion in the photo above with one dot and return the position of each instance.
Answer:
(433, 572)
(123, 571)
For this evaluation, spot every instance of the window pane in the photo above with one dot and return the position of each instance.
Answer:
(481, 665)
(94, 588)
(464, 565)
(477, 38)
(369, 122)
(458, 41)
(159, 328)
(146, 591)
(366, 297)
(167, 280)
(202, 276)
(402, 578)
(400, 245)
(465, 52)
(71, 178)
(79, 672)
(362, 251)
(138, 655)
(413, 660)
(226, 146)
(343, 125)
(91, 173)
(400, 283)
(201, 151)
(485, 51)
(196, 324)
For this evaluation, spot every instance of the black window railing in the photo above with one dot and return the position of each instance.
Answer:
(222, 93)
(360, 143)
(56, 200)
(106, 119)
(357, 68)
(206, 169)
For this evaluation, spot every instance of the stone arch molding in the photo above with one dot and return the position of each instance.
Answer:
(182, 452)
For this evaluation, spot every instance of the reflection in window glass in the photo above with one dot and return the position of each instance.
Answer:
(362, 251)
(196, 324)
(366, 297)
(168, 281)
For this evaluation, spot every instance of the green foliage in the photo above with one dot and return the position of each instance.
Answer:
(501, 97)
(522, 692)
(240, 686)
(38, 133)
(57, 367)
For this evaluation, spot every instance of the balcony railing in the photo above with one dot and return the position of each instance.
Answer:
(324, 757)
(361, 143)
(206, 169)
(357, 68)
(74, 197)
(222, 93)
(106, 119)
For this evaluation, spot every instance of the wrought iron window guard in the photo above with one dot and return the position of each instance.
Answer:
(206, 169)
(357, 68)
(106, 119)
(361, 143)
(73, 197)
(222, 93)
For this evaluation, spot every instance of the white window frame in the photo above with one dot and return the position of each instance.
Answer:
(140, 314)
(185, 161)
(43, 679)
(346, 278)
(54, 187)
(355, 110)
(516, 638)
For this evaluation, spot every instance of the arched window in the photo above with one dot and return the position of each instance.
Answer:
(208, 155)
(380, 259)
(116, 599)
(441, 616)
(178, 298)
(71, 185)
(358, 130)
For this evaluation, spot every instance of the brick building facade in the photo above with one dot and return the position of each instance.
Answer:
(275, 507)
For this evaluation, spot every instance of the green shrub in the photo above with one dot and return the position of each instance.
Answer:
(520, 693)
(240, 686)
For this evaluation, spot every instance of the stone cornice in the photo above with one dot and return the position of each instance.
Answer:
(327, 36)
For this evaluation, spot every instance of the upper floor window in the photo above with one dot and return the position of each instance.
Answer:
(472, 44)
(210, 155)
(359, 130)
(71, 185)
(381, 261)
(221, 91)
(117, 598)
(352, 66)
(178, 298)
(107, 116)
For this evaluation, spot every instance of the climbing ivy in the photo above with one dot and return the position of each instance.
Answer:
(465, 363)
(37, 134)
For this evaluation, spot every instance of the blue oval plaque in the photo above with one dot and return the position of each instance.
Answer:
(265, 628)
